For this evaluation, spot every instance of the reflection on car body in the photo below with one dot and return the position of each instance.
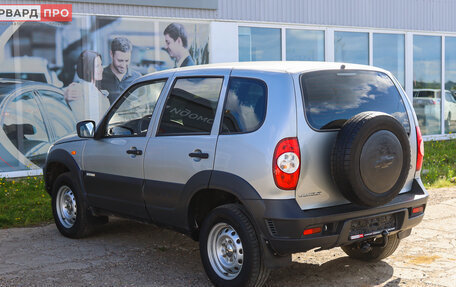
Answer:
(33, 116)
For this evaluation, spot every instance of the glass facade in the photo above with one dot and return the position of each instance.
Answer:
(53, 75)
(351, 47)
(305, 45)
(259, 44)
(427, 76)
(389, 54)
(36, 53)
(450, 85)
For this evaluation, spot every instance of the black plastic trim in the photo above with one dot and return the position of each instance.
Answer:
(63, 157)
(290, 221)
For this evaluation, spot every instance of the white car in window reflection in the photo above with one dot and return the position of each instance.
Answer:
(33, 116)
(427, 104)
(29, 68)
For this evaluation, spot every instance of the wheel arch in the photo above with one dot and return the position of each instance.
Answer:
(223, 188)
(60, 161)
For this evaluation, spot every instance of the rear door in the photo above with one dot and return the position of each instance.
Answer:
(113, 165)
(329, 99)
(183, 146)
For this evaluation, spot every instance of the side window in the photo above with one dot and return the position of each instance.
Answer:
(449, 97)
(245, 106)
(190, 107)
(24, 126)
(132, 114)
(59, 113)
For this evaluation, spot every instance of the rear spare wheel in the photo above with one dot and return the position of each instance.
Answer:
(370, 159)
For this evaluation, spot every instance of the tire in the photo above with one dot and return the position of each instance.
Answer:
(228, 241)
(374, 255)
(71, 214)
(448, 123)
(370, 159)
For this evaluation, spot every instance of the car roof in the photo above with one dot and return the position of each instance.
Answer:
(24, 65)
(8, 86)
(291, 67)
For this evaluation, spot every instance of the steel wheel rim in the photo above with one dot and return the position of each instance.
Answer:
(66, 206)
(225, 251)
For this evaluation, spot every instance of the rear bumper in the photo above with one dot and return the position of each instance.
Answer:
(282, 222)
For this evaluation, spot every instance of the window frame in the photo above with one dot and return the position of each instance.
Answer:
(169, 95)
(220, 130)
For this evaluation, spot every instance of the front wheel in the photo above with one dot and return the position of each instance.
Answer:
(377, 253)
(230, 250)
(70, 211)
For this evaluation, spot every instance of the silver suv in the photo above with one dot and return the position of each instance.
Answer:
(256, 161)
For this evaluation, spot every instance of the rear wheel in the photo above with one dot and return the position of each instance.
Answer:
(230, 250)
(376, 253)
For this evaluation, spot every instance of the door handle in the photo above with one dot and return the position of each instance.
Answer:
(198, 154)
(134, 151)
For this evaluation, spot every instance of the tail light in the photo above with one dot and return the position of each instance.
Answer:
(420, 150)
(286, 164)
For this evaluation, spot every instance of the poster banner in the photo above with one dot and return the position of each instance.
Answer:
(54, 74)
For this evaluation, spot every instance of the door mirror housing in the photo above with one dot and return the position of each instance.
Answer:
(86, 129)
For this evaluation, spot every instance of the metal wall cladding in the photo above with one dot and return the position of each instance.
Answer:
(127, 10)
(426, 15)
(420, 15)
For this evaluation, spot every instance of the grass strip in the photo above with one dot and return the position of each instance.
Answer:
(24, 202)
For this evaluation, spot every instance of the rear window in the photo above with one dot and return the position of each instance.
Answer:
(245, 106)
(426, 94)
(333, 97)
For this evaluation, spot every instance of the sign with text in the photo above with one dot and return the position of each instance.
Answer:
(36, 13)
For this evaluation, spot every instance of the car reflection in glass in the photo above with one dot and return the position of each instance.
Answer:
(33, 116)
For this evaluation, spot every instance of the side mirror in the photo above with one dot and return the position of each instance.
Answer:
(86, 129)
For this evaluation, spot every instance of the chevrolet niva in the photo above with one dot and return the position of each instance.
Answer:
(256, 161)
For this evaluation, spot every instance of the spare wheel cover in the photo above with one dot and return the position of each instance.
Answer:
(370, 160)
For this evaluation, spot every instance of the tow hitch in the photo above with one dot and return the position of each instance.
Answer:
(365, 246)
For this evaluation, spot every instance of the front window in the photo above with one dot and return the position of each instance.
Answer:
(132, 114)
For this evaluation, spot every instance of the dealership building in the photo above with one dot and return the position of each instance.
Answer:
(413, 39)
